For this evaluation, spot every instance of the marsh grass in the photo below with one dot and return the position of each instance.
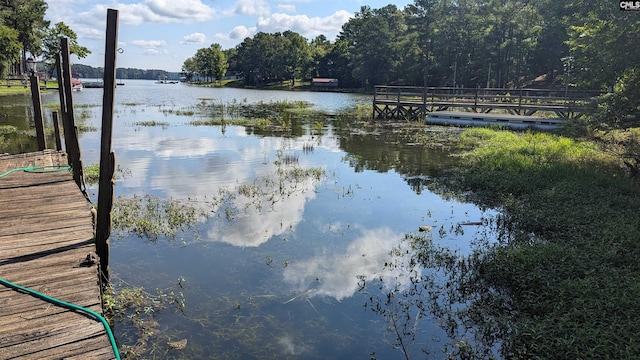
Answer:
(152, 217)
(178, 112)
(275, 116)
(135, 309)
(92, 173)
(562, 278)
(8, 129)
(14, 140)
(152, 123)
(357, 113)
(82, 114)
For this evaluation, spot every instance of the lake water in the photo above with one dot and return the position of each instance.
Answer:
(286, 275)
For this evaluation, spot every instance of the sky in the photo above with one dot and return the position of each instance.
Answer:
(162, 34)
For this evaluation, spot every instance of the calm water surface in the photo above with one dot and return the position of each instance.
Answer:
(282, 279)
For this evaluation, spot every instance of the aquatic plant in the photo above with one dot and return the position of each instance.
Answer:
(135, 309)
(152, 217)
(180, 112)
(92, 173)
(545, 287)
(152, 123)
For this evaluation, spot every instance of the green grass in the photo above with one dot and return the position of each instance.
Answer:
(563, 281)
(92, 173)
(14, 88)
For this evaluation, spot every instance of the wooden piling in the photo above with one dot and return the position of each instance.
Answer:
(68, 120)
(37, 112)
(107, 157)
(56, 129)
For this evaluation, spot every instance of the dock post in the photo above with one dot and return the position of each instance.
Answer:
(68, 120)
(37, 111)
(107, 157)
(56, 130)
(520, 103)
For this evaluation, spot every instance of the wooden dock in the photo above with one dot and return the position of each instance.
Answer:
(46, 234)
(413, 103)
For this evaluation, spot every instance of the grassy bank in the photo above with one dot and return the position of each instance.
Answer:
(563, 280)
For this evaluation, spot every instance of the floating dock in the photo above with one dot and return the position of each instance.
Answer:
(482, 119)
(47, 245)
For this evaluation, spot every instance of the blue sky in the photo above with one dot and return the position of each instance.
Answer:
(161, 34)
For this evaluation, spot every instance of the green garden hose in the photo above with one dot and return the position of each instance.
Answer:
(58, 302)
(39, 169)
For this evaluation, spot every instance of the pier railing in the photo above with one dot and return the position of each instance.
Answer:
(412, 102)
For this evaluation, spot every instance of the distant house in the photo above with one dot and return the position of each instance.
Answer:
(324, 82)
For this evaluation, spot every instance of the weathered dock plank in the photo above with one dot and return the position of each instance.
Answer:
(46, 234)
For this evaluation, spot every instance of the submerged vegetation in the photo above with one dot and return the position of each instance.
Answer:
(92, 173)
(136, 310)
(153, 217)
(562, 277)
(152, 123)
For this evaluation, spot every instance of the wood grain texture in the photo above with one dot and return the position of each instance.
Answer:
(46, 233)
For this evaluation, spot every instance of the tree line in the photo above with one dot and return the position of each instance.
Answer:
(583, 44)
(90, 72)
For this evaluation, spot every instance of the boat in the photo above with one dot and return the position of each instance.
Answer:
(501, 120)
(165, 81)
(76, 84)
(94, 85)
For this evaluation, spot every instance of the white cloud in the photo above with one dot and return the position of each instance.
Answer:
(186, 10)
(304, 25)
(290, 8)
(149, 43)
(195, 38)
(337, 275)
(156, 11)
(238, 33)
(251, 227)
(152, 52)
(90, 33)
(252, 8)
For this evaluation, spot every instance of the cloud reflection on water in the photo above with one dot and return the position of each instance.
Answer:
(338, 275)
(252, 227)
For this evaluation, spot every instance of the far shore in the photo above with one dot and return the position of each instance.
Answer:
(15, 87)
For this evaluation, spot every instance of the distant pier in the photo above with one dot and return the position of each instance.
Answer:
(413, 103)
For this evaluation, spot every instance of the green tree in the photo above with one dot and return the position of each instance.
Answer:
(604, 47)
(51, 44)
(297, 55)
(189, 69)
(220, 63)
(375, 39)
(10, 48)
(27, 18)
(317, 65)
(257, 57)
(210, 62)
